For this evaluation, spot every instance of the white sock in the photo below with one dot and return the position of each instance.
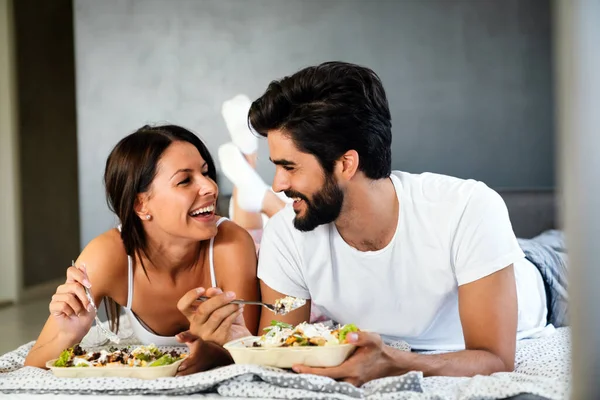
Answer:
(265, 219)
(251, 188)
(231, 209)
(235, 114)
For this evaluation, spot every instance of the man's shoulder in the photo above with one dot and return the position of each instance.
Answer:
(281, 239)
(433, 187)
(285, 216)
(283, 220)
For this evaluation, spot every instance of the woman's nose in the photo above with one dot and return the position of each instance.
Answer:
(207, 187)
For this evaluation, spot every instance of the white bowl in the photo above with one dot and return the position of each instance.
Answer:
(284, 357)
(109, 371)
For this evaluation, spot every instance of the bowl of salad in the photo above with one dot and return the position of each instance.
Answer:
(143, 362)
(283, 345)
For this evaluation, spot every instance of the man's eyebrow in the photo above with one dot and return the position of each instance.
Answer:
(282, 162)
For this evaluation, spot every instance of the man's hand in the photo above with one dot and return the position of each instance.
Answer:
(202, 355)
(371, 360)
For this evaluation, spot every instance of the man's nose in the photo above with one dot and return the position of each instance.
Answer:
(280, 181)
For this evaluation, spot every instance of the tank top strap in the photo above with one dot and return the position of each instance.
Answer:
(213, 279)
(129, 278)
(129, 282)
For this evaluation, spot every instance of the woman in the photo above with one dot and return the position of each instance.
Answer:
(160, 182)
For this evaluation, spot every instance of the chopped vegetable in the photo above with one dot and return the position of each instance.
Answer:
(346, 329)
(280, 334)
(64, 358)
(142, 356)
(164, 360)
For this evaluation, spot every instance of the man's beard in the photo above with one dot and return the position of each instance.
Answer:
(324, 207)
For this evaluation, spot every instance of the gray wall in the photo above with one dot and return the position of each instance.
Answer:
(47, 138)
(469, 82)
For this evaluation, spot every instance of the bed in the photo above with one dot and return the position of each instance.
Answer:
(543, 365)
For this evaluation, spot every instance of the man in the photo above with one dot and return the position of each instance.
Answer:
(429, 259)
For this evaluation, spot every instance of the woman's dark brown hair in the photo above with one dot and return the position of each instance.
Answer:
(130, 170)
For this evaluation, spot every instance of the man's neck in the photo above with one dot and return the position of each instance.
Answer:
(369, 216)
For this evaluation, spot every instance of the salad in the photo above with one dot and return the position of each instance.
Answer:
(280, 334)
(141, 356)
(288, 304)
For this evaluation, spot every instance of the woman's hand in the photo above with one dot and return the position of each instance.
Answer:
(216, 319)
(70, 306)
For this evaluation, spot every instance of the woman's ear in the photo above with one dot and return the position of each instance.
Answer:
(348, 164)
(141, 206)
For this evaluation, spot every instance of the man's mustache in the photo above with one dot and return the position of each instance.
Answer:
(293, 194)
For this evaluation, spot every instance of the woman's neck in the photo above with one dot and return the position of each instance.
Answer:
(172, 256)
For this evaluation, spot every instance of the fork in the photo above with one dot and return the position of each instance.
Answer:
(268, 306)
(110, 335)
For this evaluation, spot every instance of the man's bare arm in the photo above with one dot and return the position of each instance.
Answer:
(488, 313)
(295, 317)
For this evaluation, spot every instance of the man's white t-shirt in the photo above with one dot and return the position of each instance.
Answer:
(450, 232)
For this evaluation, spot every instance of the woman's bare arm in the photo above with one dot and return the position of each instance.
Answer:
(104, 258)
(236, 266)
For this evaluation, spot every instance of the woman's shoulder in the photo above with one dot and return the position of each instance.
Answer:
(105, 256)
(109, 240)
(231, 234)
(234, 245)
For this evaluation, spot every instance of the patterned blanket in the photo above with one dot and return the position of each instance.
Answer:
(542, 368)
(549, 254)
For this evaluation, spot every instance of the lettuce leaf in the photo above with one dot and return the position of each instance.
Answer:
(64, 358)
(282, 325)
(143, 357)
(164, 360)
(345, 330)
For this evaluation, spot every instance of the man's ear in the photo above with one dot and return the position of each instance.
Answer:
(348, 164)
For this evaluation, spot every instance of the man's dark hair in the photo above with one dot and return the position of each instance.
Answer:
(327, 110)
